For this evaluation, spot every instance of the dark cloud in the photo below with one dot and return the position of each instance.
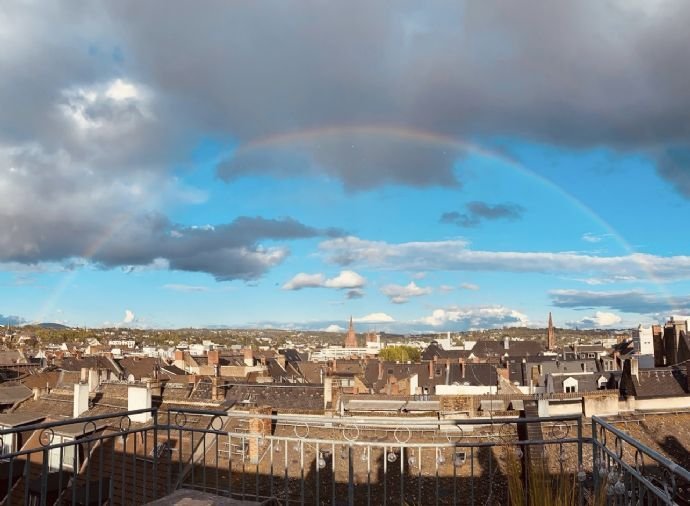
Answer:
(481, 211)
(105, 97)
(626, 302)
(674, 165)
(354, 294)
(583, 74)
(228, 251)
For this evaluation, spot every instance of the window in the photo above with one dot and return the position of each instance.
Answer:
(7, 445)
(570, 390)
(67, 453)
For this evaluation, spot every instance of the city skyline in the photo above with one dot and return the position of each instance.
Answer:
(423, 170)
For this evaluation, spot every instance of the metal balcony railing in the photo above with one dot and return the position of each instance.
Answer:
(293, 459)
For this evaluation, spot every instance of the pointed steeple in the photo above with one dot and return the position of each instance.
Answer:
(550, 335)
(351, 338)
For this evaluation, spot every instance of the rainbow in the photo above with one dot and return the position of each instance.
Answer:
(292, 138)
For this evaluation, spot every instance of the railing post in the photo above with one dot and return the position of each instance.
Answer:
(595, 457)
(155, 453)
(350, 478)
(579, 461)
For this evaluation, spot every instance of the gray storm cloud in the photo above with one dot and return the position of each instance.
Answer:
(101, 99)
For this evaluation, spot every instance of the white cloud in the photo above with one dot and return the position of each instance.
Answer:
(469, 286)
(594, 238)
(304, 280)
(455, 255)
(177, 287)
(121, 90)
(346, 280)
(475, 317)
(399, 294)
(598, 320)
(446, 288)
(334, 328)
(375, 318)
(129, 316)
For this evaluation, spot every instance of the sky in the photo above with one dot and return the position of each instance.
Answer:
(421, 167)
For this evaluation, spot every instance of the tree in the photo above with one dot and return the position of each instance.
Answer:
(400, 354)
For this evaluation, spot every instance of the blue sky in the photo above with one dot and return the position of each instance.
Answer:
(422, 170)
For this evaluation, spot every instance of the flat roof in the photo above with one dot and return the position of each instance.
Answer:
(391, 405)
(17, 419)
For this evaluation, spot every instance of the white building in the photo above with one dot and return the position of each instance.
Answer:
(643, 343)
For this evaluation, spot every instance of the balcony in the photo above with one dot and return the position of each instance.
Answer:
(139, 456)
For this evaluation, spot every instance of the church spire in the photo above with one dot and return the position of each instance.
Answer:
(351, 338)
(550, 335)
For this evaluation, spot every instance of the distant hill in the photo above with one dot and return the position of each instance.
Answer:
(53, 326)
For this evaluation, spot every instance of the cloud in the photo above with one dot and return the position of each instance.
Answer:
(446, 288)
(594, 238)
(469, 286)
(334, 328)
(354, 294)
(455, 255)
(129, 316)
(400, 294)
(345, 280)
(177, 287)
(624, 301)
(440, 69)
(375, 318)
(304, 280)
(474, 317)
(481, 211)
(599, 320)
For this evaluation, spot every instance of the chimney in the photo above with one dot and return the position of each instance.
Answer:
(327, 391)
(81, 399)
(635, 368)
(139, 397)
(380, 370)
(461, 361)
(94, 380)
(213, 357)
(431, 369)
(84, 377)
(248, 357)
(179, 355)
(506, 342)
(214, 389)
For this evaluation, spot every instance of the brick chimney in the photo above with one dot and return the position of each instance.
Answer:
(431, 369)
(248, 357)
(215, 391)
(380, 370)
(179, 355)
(213, 357)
